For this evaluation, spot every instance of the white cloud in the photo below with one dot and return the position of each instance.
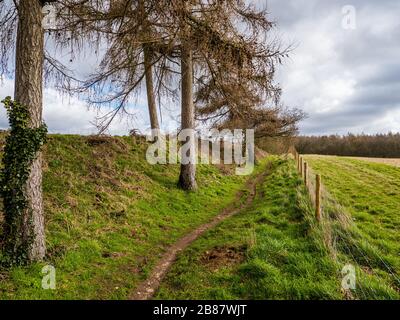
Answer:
(71, 115)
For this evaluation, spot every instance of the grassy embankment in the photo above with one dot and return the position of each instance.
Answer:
(275, 250)
(110, 215)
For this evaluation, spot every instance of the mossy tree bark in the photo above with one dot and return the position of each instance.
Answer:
(187, 178)
(28, 91)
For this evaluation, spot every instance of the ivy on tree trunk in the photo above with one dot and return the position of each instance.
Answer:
(21, 149)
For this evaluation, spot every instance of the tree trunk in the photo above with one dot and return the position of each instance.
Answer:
(151, 101)
(148, 68)
(187, 178)
(28, 92)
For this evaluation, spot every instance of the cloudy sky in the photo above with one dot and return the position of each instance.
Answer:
(345, 74)
(344, 71)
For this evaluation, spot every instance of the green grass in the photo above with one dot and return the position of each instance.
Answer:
(273, 250)
(370, 194)
(110, 215)
(265, 252)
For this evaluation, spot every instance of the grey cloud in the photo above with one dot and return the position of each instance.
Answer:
(389, 73)
(365, 59)
(383, 95)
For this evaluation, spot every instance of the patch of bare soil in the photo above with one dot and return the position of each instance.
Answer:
(98, 140)
(146, 289)
(106, 144)
(222, 256)
(226, 169)
(113, 254)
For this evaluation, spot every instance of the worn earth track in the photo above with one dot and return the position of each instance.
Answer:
(146, 289)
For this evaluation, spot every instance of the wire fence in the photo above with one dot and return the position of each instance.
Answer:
(340, 233)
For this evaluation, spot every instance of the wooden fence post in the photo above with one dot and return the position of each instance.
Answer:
(318, 198)
(301, 166)
(305, 173)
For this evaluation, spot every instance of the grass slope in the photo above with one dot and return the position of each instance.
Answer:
(110, 215)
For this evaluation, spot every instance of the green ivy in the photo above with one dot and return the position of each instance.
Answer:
(21, 148)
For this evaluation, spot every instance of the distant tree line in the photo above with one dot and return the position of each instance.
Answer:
(362, 145)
